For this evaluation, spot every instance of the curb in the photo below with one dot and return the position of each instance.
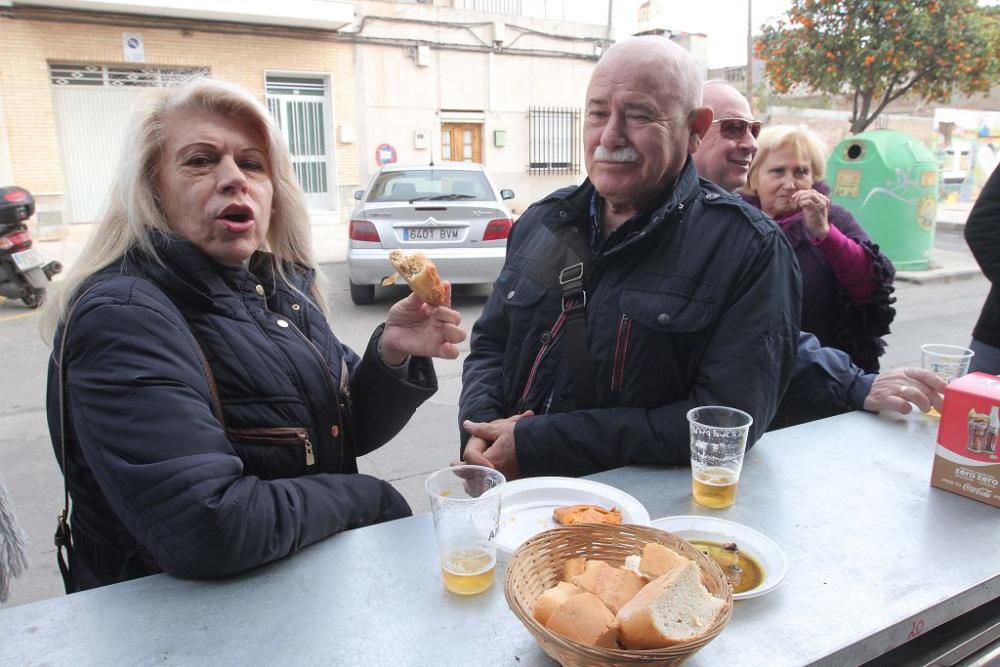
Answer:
(948, 226)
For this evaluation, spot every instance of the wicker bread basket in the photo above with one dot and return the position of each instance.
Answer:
(537, 565)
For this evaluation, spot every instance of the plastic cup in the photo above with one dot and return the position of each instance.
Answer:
(465, 503)
(946, 361)
(718, 443)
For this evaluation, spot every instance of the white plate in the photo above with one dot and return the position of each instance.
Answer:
(757, 545)
(527, 504)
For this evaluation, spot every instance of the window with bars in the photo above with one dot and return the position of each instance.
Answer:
(554, 140)
(120, 76)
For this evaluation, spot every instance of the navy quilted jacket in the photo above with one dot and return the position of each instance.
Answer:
(159, 482)
(699, 307)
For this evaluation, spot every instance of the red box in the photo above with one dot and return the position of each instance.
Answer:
(967, 456)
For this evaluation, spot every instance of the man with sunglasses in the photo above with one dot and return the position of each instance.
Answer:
(630, 299)
(824, 381)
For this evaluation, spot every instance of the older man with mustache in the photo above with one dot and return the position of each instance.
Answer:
(824, 382)
(632, 298)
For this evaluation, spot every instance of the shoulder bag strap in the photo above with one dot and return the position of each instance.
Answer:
(574, 309)
(63, 536)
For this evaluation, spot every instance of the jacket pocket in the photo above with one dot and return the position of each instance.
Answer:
(518, 287)
(659, 339)
(621, 353)
(679, 306)
(274, 452)
(534, 319)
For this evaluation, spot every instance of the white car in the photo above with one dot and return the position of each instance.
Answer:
(452, 212)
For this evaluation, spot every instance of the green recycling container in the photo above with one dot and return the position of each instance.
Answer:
(889, 182)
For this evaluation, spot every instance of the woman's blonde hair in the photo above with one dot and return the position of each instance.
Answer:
(132, 211)
(806, 143)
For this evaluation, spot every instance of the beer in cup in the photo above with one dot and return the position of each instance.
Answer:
(718, 443)
(465, 503)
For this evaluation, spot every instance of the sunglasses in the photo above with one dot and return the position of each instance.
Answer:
(735, 128)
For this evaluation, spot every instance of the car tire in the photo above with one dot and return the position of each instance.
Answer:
(362, 295)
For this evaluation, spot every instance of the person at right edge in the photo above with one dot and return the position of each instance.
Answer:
(628, 300)
(982, 233)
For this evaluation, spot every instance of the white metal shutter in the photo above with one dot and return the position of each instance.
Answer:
(93, 105)
(92, 123)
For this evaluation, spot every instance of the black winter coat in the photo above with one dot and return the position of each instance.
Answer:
(982, 233)
(158, 482)
(700, 307)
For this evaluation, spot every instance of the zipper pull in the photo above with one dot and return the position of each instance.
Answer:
(310, 455)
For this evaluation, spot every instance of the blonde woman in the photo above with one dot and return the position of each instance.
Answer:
(206, 417)
(846, 281)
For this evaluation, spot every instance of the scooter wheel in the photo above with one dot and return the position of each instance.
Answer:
(34, 298)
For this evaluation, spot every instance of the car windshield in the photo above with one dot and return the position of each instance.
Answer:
(429, 185)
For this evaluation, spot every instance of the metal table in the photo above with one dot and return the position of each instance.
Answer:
(876, 557)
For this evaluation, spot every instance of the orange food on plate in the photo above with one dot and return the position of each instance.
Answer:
(574, 514)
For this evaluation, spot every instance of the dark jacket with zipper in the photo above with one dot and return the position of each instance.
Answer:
(158, 482)
(982, 233)
(699, 307)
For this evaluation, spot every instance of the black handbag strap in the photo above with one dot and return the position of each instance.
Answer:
(63, 536)
(574, 309)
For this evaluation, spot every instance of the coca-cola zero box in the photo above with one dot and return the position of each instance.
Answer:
(966, 460)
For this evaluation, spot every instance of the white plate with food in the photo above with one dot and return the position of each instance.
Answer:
(756, 566)
(527, 506)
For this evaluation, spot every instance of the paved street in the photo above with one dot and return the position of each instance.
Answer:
(939, 312)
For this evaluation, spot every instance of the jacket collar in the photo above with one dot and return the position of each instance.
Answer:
(192, 277)
(576, 204)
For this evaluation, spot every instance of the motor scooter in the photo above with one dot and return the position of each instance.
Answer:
(24, 274)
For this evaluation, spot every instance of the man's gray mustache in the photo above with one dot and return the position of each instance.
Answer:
(623, 154)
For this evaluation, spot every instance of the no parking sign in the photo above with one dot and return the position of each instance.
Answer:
(385, 154)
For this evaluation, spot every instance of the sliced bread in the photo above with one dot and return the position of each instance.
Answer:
(673, 608)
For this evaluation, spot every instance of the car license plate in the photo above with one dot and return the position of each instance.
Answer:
(431, 234)
(28, 259)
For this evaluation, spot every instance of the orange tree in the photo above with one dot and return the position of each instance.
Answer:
(880, 50)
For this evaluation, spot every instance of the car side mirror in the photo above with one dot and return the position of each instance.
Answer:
(506, 194)
(358, 194)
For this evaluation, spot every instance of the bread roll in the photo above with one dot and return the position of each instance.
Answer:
(658, 560)
(585, 619)
(552, 599)
(671, 609)
(421, 274)
(613, 585)
(573, 567)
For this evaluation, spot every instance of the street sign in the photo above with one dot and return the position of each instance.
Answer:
(385, 154)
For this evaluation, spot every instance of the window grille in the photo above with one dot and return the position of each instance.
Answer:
(121, 76)
(554, 140)
(506, 7)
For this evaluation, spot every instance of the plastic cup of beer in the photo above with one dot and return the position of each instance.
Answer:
(465, 503)
(718, 443)
(946, 361)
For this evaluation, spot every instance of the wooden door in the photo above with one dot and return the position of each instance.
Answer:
(462, 142)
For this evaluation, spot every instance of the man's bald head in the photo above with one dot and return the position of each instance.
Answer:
(644, 117)
(723, 157)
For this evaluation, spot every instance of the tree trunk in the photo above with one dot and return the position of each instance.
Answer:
(860, 118)
(858, 125)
